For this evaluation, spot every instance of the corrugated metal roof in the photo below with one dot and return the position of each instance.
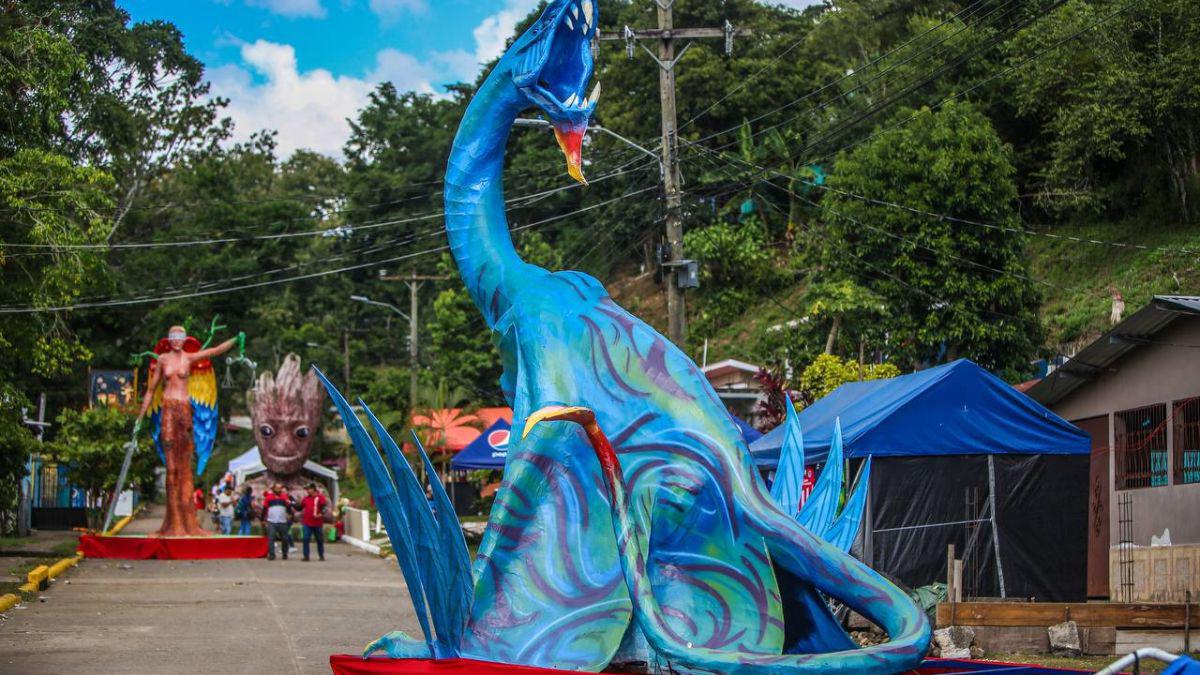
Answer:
(1124, 337)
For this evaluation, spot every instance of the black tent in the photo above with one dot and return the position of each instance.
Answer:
(960, 457)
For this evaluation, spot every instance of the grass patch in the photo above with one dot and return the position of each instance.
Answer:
(1077, 302)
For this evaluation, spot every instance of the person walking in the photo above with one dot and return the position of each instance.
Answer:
(276, 505)
(243, 510)
(225, 510)
(313, 519)
(198, 498)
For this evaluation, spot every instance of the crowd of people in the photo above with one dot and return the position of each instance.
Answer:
(276, 509)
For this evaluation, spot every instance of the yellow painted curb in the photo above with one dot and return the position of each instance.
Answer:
(120, 525)
(64, 565)
(8, 601)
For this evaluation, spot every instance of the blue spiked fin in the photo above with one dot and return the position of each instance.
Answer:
(430, 555)
(387, 499)
(819, 511)
(845, 529)
(789, 475)
(461, 587)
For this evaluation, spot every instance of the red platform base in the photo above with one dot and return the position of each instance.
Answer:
(345, 664)
(172, 548)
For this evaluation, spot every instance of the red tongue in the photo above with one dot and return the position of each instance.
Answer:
(570, 139)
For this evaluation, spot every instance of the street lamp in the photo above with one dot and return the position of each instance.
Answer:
(367, 301)
(412, 339)
(533, 122)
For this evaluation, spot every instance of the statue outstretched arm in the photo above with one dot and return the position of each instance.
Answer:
(219, 349)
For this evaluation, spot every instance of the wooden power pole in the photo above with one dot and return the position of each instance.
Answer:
(681, 273)
(414, 281)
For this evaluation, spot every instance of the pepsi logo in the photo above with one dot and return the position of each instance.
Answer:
(498, 439)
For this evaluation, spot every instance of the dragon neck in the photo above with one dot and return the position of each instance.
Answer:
(474, 198)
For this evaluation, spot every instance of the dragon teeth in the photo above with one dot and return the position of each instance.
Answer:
(570, 100)
(587, 13)
(575, 11)
(570, 24)
(595, 95)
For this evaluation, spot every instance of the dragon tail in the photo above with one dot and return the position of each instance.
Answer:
(809, 558)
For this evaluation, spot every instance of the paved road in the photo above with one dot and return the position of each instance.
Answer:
(211, 616)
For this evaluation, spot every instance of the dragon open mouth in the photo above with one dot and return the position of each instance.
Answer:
(554, 70)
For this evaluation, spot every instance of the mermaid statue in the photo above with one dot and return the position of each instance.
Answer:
(631, 523)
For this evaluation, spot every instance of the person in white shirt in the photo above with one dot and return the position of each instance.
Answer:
(225, 510)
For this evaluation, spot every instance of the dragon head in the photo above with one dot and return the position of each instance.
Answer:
(551, 66)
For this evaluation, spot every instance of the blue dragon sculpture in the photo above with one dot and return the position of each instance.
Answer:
(686, 568)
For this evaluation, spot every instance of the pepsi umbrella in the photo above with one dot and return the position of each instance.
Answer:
(488, 451)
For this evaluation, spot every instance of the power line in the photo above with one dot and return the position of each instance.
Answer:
(129, 301)
(906, 90)
(943, 216)
(850, 73)
(328, 231)
(1005, 71)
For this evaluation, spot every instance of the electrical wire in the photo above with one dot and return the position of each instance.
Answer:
(517, 202)
(941, 216)
(965, 12)
(199, 293)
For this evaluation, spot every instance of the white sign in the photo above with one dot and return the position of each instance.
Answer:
(124, 504)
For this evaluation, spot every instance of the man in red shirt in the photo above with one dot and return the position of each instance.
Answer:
(198, 498)
(313, 519)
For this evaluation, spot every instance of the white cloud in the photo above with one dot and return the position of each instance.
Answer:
(291, 8)
(309, 109)
(491, 33)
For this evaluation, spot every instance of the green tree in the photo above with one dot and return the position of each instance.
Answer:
(461, 349)
(16, 444)
(951, 289)
(828, 372)
(91, 444)
(1119, 111)
(50, 207)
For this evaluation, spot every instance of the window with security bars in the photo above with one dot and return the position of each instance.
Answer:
(1141, 447)
(1186, 414)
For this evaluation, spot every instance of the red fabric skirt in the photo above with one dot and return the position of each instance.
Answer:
(172, 548)
(345, 664)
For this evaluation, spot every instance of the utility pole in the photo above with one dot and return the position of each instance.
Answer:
(681, 273)
(414, 281)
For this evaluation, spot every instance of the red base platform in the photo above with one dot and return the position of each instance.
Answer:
(172, 548)
(346, 664)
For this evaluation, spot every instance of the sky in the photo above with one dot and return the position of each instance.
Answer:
(302, 67)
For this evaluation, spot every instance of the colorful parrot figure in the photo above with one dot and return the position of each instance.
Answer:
(202, 391)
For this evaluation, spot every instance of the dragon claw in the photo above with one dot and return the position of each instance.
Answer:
(559, 413)
(397, 645)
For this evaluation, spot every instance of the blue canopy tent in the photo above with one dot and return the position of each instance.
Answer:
(960, 457)
(486, 452)
(954, 409)
(749, 433)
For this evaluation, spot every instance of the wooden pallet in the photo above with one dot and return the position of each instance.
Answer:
(1085, 614)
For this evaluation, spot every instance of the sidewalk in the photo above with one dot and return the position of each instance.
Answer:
(153, 616)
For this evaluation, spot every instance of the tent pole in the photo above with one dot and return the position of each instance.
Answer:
(995, 531)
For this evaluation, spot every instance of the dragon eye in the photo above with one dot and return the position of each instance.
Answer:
(302, 432)
(266, 430)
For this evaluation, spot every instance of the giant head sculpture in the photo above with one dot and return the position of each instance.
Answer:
(286, 409)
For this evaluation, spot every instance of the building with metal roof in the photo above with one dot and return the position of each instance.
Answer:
(1136, 391)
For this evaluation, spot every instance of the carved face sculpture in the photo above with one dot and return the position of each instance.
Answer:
(285, 410)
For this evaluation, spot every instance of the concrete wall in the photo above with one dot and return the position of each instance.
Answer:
(1157, 373)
